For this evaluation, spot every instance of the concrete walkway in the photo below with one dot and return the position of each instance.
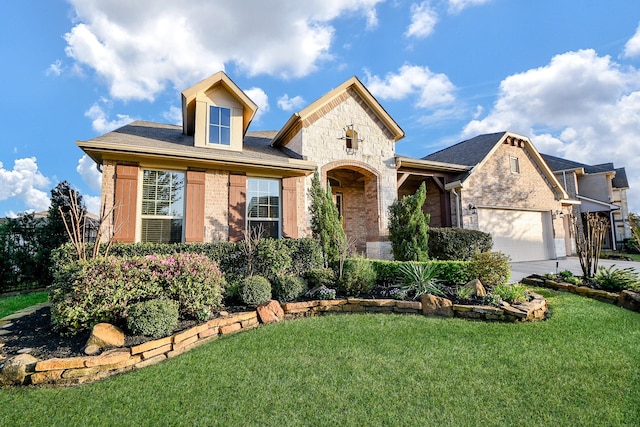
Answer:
(519, 270)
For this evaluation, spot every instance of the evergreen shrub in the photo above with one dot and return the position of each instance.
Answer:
(154, 318)
(409, 226)
(457, 244)
(288, 288)
(320, 277)
(255, 290)
(491, 268)
(358, 277)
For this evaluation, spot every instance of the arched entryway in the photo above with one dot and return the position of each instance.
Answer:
(355, 189)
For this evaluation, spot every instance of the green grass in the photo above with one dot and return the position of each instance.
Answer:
(581, 367)
(9, 305)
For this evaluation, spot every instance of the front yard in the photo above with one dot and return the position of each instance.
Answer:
(580, 367)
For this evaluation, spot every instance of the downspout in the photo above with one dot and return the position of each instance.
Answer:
(614, 245)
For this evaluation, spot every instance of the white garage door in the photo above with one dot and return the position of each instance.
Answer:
(523, 235)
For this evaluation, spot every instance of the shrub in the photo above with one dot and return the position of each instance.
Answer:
(464, 292)
(513, 294)
(358, 277)
(493, 299)
(448, 272)
(420, 279)
(255, 290)
(399, 294)
(100, 290)
(320, 277)
(155, 318)
(272, 259)
(457, 244)
(409, 226)
(288, 288)
(617, 279)
(565, 274)
(492, 268)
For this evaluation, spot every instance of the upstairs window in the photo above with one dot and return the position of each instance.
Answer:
(162, 206)
(263, 206)
(515, 164)
(219, 125)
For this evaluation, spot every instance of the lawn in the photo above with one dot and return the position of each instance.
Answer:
(581, 367)
(9, 305)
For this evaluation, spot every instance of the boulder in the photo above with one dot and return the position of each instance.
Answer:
(15, 369)
(476, 286)
(104, 335)
(270, 312)
(436, 306)
(629, 300)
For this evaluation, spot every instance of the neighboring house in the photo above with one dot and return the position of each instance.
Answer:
(500, 185)
(211, 179)
(602, 189)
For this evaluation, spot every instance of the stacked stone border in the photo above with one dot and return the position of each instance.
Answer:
(626, 299)
(24, 369)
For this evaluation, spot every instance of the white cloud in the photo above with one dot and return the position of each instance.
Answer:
(100, 119)
(423, 20)
(261, 99)
(174, 115)
(55, 69)
(580, 106)
(632, 47)
(456, 6)
(139, 49)
(432, 90)
(25, 182)
(89, 173)
(290, 104)
(92, 203)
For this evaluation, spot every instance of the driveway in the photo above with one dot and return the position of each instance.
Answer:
(520, 270)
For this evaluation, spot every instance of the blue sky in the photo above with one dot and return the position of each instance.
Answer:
(564, 73)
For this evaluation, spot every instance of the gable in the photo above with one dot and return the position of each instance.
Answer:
(528, 185)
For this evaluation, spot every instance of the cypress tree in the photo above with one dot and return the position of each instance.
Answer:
(326, 224)
(409, 227)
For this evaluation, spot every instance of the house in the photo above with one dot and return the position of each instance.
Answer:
(213, 179)
(601, 189)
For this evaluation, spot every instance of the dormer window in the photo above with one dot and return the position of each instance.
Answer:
(219, 125)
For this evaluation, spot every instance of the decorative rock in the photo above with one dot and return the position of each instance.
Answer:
(629, 300)
(4, 332)
(15, 370)
(436, 306)
(476, 286)
(91, 349)
(105, 335)
(270, 312)
(6, 326)
(26, 350)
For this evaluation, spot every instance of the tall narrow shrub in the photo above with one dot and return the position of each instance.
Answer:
(326, 224)
(409, 227)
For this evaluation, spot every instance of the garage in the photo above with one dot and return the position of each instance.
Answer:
(523, 235)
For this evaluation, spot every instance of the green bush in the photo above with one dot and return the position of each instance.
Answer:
(358, 277)
(100, 290)
(513, 294)
(409, 227)
(320, 277)
(255, 290)
(492, 268)
(288, 288)
(457, 244)
(448, 272)
(154, 318)
(617, 279)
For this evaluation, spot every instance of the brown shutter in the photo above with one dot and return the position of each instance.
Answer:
(194, 214)
(289, 207)
(126, 190)
(237, 206)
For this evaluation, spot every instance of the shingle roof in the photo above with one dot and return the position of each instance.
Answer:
(620, 180)
(559, 164)
(140, 134)
(469, 152)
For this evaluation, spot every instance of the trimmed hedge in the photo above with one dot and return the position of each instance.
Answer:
(457, 244)
(155, 318)
(272, 257)
(450, 272)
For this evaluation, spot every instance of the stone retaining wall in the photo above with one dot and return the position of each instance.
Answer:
(626, 299)
(26, 369)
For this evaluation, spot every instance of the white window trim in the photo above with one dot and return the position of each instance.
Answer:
(140, 216)
(208, 136)
(280, 213)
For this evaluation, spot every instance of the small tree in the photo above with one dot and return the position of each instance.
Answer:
(589, 241)
(634, 224)
(326, 224)
(409, 227)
